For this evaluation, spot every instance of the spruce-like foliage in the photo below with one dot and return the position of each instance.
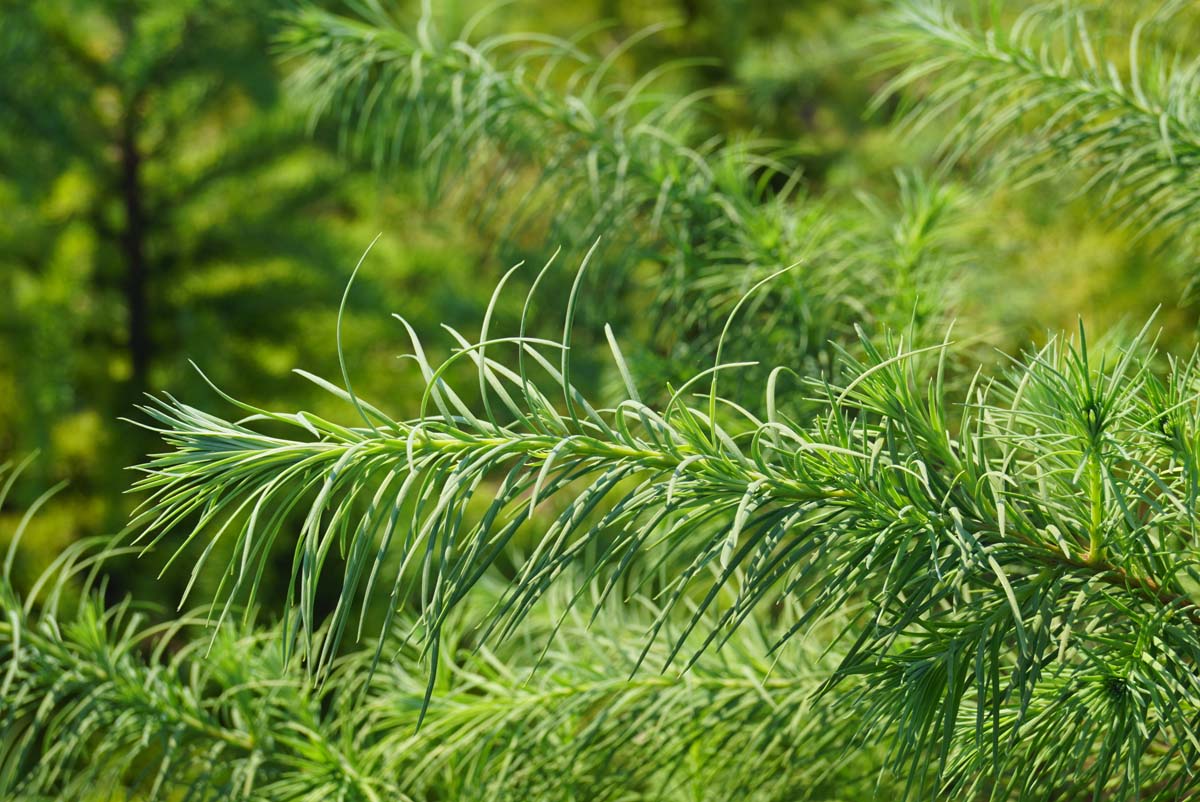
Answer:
(1021, 554)
(1131, 128)
(555, 147)
(98, 696)
(880, 572)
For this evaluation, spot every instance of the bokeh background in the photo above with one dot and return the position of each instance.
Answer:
(163, 200)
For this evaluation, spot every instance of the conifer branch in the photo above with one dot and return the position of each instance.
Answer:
(1132, 129)
(562, 152)
(992, 561)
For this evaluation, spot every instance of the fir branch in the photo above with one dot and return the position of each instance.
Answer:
(1002, 539)
(569, 720)
(1133, 131)
(99, 698)
(561, 151)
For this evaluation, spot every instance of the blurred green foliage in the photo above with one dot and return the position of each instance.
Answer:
(162, 199)
(163, 202)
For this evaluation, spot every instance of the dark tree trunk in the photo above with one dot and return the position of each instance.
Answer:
(134, 247)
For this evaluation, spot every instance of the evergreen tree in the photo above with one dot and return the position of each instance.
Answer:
(158, 193)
